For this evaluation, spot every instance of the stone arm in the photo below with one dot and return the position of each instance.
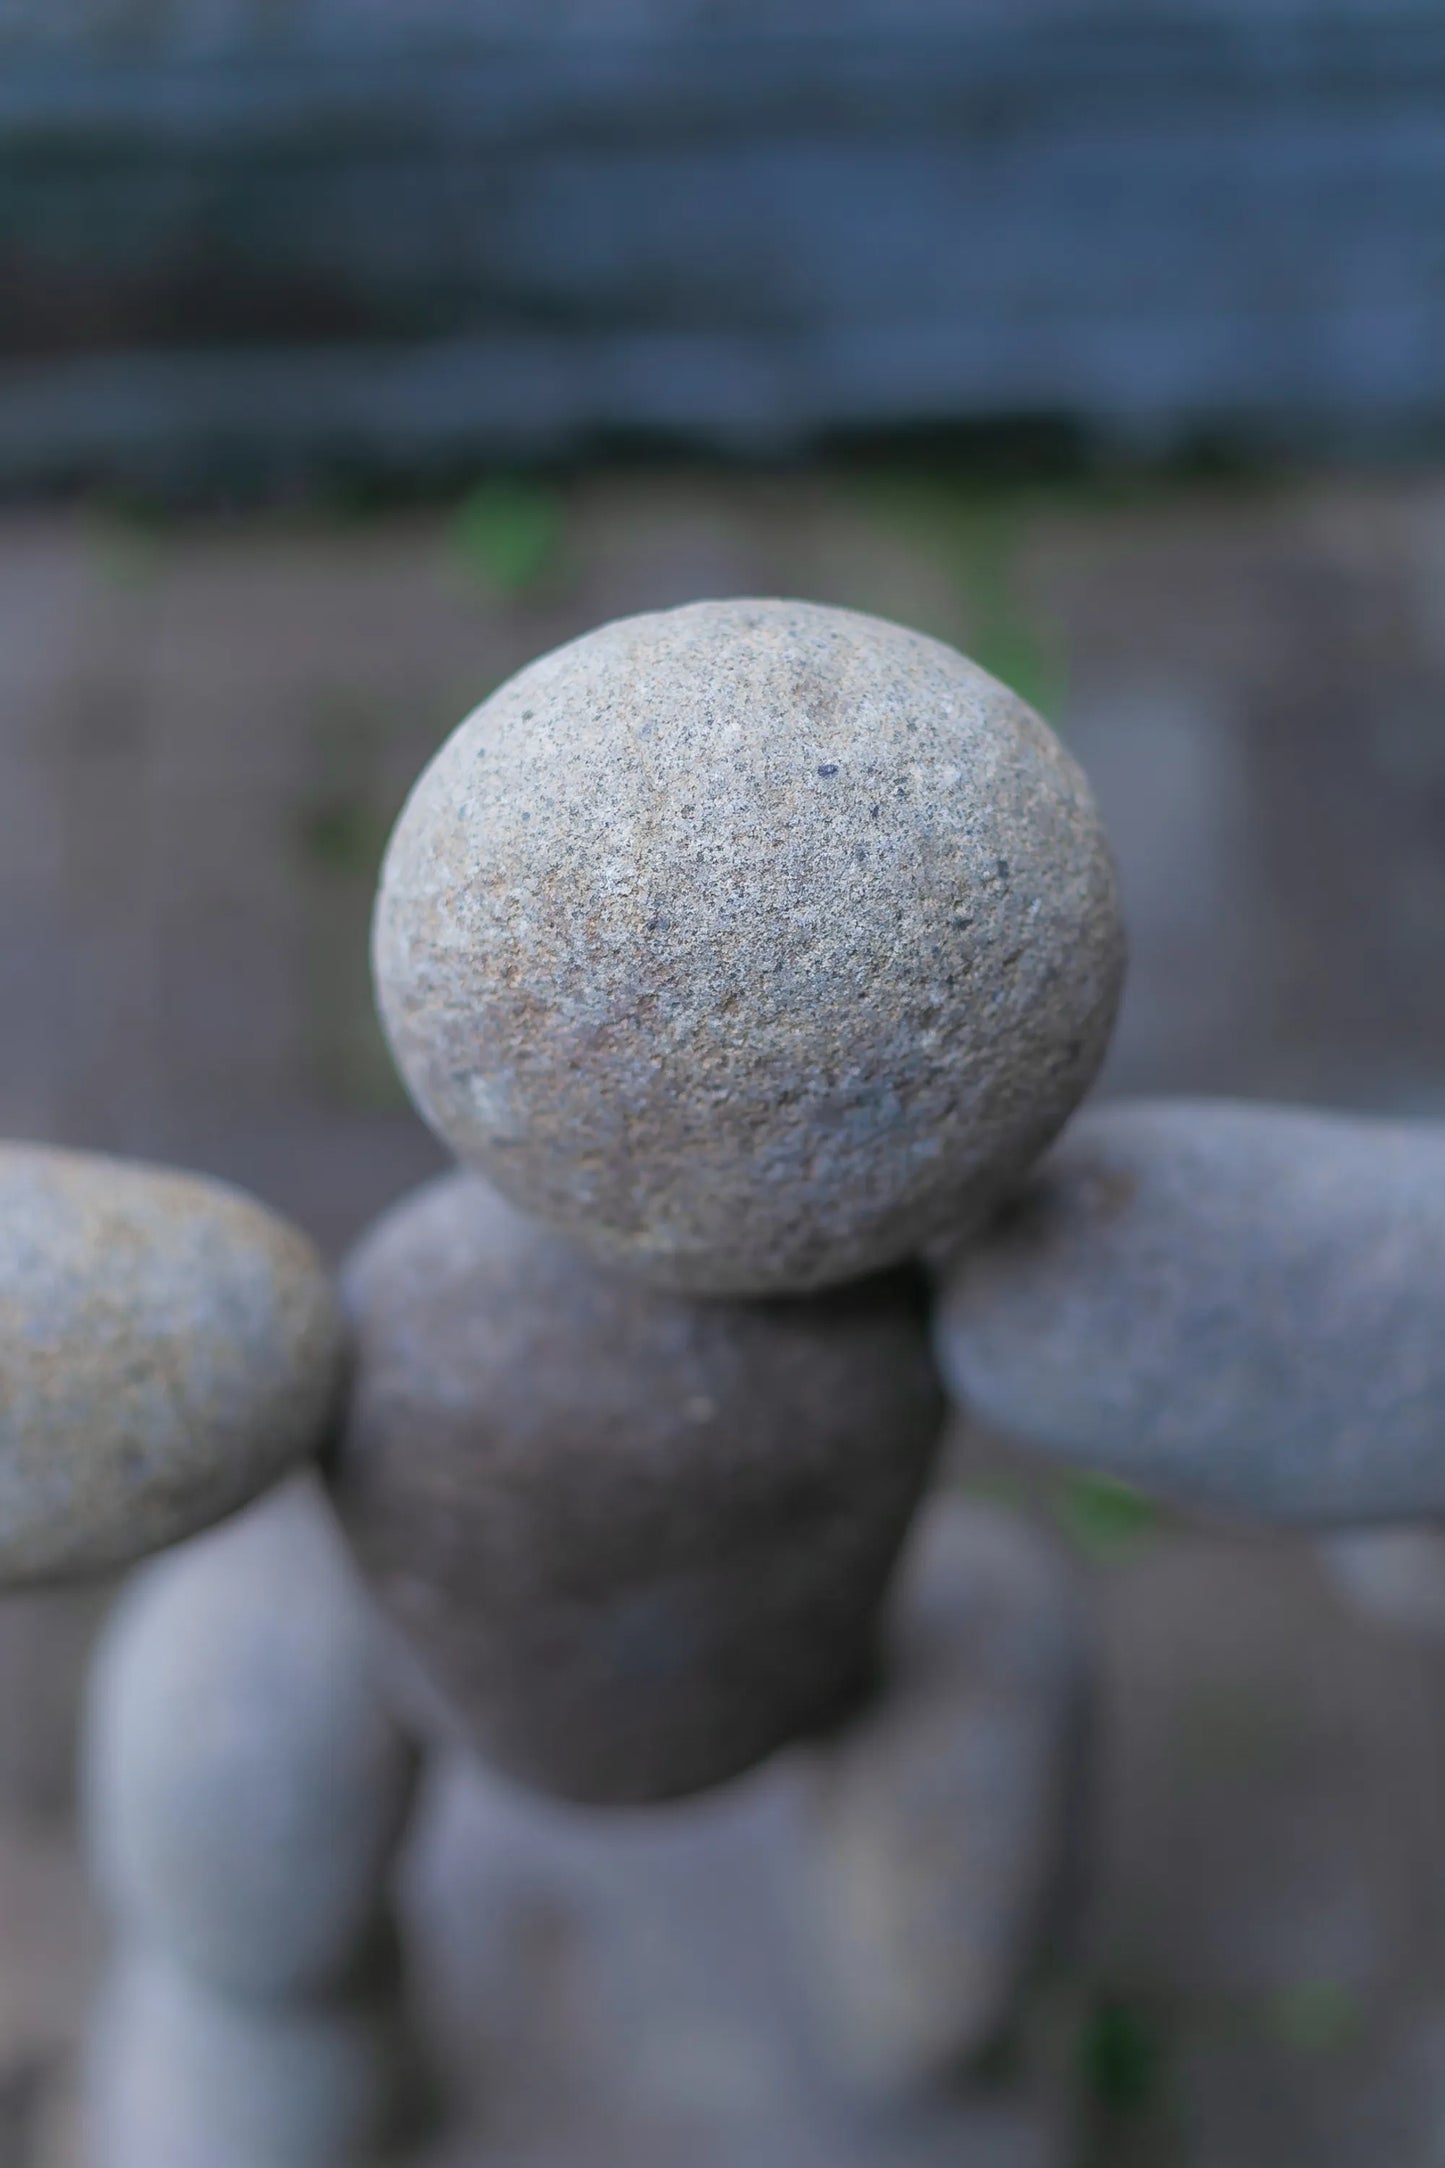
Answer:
(1237, 1307)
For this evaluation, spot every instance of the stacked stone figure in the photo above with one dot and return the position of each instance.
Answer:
(746, 956)
(741, 954)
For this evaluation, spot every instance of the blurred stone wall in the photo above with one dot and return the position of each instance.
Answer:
(249, 235)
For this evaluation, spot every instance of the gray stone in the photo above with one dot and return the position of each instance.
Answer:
(636, 1541)
(636, 1980)
(186, 2076)
(749, 943)
(945, 1820)
(1239, 1307)
(246, 1781)
(167, 1349)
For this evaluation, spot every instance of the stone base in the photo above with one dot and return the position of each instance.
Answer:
(626, 1993)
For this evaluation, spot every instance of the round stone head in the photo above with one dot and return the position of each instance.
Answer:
(751, 945)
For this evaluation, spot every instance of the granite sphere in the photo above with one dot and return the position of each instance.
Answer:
(750, 944)
(246, 1780)
(1238, 1307)
(168, 1348)
(634, 1541)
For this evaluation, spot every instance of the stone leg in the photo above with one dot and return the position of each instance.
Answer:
(246, 1788)
(944, 1825)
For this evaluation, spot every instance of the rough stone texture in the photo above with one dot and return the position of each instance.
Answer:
(168, 1348)
(638, 1541)
(246, 1782)
(1393, 1576)
(946, 1819)
(1242, 1307)
(186, 2076)
(750, 943)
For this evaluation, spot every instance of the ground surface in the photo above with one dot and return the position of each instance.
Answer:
(204, 733)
